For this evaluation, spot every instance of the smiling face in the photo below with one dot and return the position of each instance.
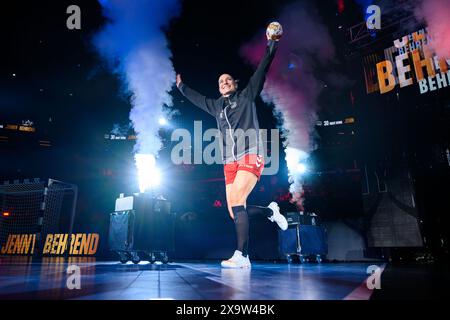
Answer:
(227, 85)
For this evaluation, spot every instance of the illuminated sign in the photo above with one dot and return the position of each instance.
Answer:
(410, 60)
(19, 244)
(85, 244)
(27, 128)
(80, 244)
(11, 126)
(327, 123)
(118, 137)
(349, 120)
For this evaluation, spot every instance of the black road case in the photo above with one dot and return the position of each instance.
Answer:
(305, 241)
(144, 233)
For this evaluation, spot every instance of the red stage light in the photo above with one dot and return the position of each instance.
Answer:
(5, 214)
(341, 6)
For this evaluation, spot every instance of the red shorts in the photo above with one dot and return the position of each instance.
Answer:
(250, 162)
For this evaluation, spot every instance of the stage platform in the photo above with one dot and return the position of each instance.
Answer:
(24, 278)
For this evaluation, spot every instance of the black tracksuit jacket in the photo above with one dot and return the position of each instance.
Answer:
(238, 111)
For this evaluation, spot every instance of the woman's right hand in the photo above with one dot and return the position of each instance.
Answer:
(178, 80)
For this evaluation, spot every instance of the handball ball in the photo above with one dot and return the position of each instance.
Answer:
(274, 31)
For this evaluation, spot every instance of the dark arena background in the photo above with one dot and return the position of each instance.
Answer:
(360, 89)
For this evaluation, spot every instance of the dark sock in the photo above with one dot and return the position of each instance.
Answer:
(241, 225)
(257, 210)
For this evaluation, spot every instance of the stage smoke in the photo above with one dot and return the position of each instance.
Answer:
(291, 84)
(135, 47)
(121, 130)
(435, 14)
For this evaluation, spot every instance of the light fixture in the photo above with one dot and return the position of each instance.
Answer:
(148, 175)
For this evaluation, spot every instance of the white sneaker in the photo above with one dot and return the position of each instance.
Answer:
(237, 261)
(277, 216)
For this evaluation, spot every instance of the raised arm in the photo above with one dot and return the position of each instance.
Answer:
(256, 83)
(196, 98)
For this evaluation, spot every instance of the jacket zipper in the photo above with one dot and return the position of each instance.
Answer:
(231, 136)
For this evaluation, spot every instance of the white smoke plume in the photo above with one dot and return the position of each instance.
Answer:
(135, 46)
(292, 85)
(436, 15)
